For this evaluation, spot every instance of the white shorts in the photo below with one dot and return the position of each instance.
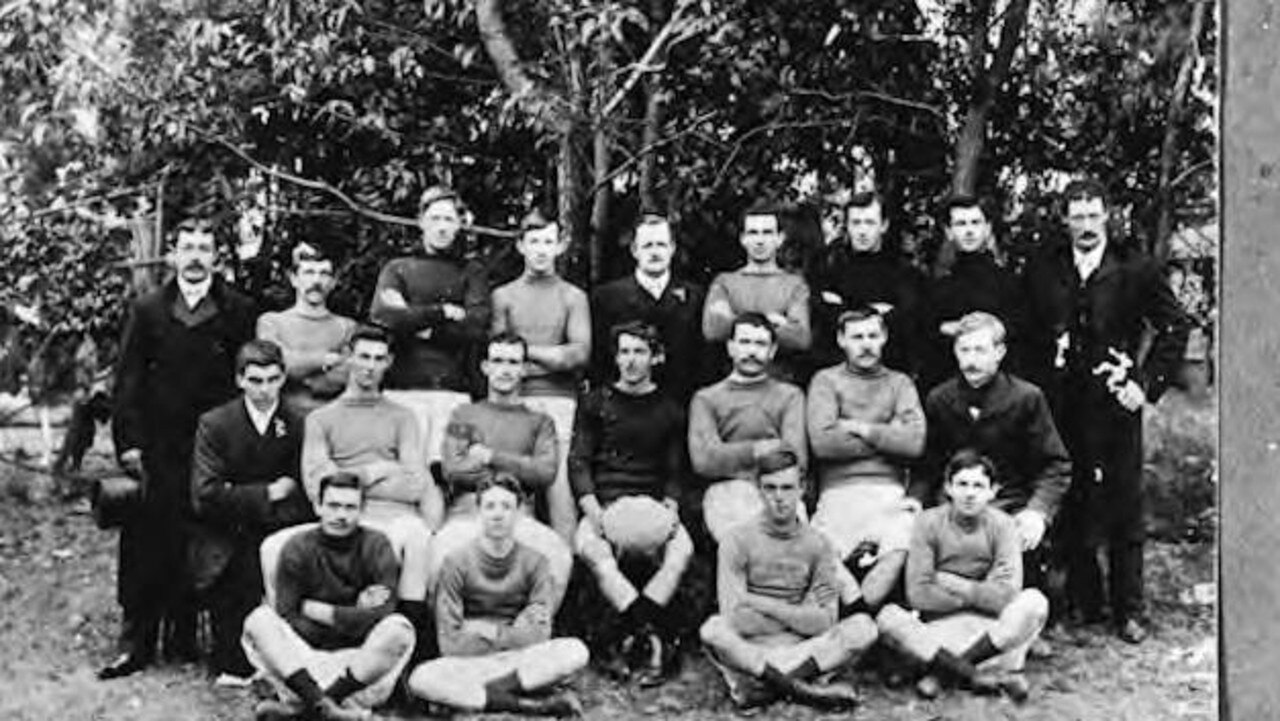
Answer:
(854, 513)
(432, 409)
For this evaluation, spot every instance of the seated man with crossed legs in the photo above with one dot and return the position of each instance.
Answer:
(332, 634)
(494, 602)
(776, 584)
(964, 580)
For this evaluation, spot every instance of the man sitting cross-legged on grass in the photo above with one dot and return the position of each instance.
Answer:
(627, 455)
(331, 634)
(964, 578)
(494, 602)
(776, 583)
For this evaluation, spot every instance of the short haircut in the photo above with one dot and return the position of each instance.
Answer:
(758, 320)
(1085, 189)
(966, 458)
(636, 329)
(976, 321)
(765, 206)
(965, 200)
(305, 252)
(650, 219)
(865, 200)
(194, 224)
(858, 314)
(435, 194)
(506, 337)
(259, 352)
(340, 479)
(504, 481)
(370, 333)
(779, 460)
(535, 219)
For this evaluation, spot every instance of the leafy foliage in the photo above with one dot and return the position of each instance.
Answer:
(325, 119)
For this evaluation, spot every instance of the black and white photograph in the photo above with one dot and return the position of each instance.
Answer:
(639, 359)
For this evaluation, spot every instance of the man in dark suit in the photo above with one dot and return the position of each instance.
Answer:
(1105, 336)
(176, 362)
(652, 295)
(244, 485)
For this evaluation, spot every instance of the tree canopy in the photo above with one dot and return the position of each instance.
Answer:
(324, 120)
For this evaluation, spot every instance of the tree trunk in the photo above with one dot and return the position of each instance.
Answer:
(601, 201)
(987, 82)
(1169, 148)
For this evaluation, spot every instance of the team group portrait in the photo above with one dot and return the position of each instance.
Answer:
(662, 359)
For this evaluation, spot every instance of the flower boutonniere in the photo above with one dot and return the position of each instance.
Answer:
(281, 429)
(680, 294)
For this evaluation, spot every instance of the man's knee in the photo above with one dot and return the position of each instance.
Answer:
(261, 621)
(679, 550)
(715, 630)
(857, 632)
(572, 652)
(393, 636)
(1032, 604)
(894, 620)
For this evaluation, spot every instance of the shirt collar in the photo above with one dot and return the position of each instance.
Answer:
(193, 293)
(260, 419)
(1089, 260)
(653, 286)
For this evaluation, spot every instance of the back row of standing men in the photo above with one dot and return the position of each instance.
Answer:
(1092, 323)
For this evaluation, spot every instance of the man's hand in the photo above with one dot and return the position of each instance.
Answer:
(453, 312)
(280, 488)
(332, 360)
(911, 505)
(378, 471)
(318, 611)
(856, 427)
(1031, 527)
(392, 298)
(1131, 396)
(480, 453)
(487, 630)
(373, 596)
(764, 447)
(959, 585)
(592, 511)
(131, 462)
(721, 308)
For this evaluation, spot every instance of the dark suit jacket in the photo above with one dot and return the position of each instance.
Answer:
(230, 470)
(1012, 426)
(677, 315)
(1125, 298)
(174, 365)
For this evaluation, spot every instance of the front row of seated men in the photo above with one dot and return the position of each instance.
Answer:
(395, 562)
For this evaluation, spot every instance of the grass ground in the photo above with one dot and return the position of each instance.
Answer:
(58, 619)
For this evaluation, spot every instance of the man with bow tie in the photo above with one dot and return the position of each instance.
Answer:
(1096, 305)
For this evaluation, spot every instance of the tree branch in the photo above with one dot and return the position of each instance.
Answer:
(742, 139)
(645, 63)
(548, 108)
(691, 128)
